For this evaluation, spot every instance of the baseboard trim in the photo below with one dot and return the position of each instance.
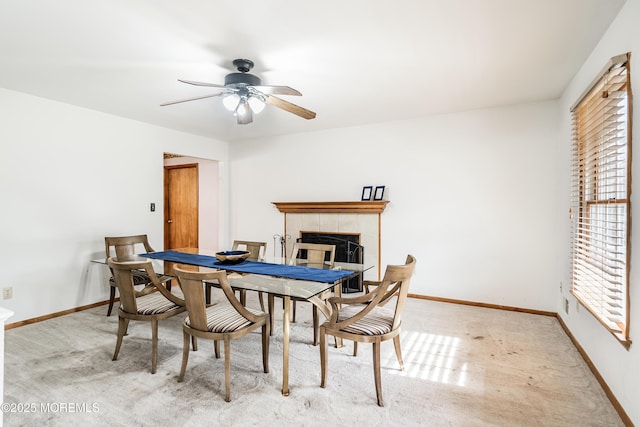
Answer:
(54, 315)
(485, 305)
(418, 296)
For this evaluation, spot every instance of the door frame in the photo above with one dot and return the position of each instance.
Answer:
(166, 199)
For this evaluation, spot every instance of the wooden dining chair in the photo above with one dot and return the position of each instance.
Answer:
(366, 319)
(151, 304)
(220, 322)
(311, 255)
(126, 246)
(257, 250)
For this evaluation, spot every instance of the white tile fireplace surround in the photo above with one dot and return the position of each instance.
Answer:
(360, 218)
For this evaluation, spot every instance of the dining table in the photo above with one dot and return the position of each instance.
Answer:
(271, 275)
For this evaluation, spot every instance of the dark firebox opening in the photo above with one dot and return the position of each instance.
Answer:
(348, 249)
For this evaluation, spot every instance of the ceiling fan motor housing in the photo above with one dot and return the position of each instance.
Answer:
(241, 79)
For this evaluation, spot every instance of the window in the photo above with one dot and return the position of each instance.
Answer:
(600, 190)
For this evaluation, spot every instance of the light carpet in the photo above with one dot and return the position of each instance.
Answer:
(464, 366)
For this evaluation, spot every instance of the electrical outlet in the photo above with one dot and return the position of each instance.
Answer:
(566, 306)
(153, 207)
(7, 293)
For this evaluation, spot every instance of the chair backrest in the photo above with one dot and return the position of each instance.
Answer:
(316, 254)
(125, 246)
(192, 285)
(396, 283)
(123, 275)
(257, 249)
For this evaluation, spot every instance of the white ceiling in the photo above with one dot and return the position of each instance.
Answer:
(355, 61)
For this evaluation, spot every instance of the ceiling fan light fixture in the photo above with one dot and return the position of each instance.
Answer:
(231, 102)
(243, 107)
(256, 104)
(244, 114)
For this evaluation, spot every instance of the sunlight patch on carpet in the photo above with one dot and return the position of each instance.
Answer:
(431, 357)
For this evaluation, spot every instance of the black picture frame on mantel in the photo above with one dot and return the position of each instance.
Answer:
(366, 193)
(378, 193)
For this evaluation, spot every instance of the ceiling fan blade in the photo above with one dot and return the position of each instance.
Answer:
(191, 99)
(277, 90)
(288, 106)
(191, 82)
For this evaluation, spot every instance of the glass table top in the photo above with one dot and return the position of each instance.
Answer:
(255, 282)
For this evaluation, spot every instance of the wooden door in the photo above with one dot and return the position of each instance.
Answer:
(181, 206)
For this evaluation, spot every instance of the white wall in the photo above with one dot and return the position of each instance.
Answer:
(68, 177)
(619, 367)
(472, 196)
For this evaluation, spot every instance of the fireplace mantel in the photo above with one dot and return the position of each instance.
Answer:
(366, 207)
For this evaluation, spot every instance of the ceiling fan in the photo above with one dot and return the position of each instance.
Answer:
(244, 94)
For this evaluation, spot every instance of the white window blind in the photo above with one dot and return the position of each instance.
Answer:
(600, 190)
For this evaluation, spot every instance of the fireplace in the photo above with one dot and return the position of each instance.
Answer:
(348, 249)
(362, 219)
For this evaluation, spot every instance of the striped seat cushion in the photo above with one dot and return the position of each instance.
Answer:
(156, 303)
(224, 318)
(379, 321)
(139, 278)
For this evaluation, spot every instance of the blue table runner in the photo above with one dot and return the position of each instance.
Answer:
(297, 272)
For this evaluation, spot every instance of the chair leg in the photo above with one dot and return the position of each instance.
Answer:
(227, 369)
(261, 299)
(323, 357)
(122, 327)
(154, 344)
(185, 355)
(112, 298)
(216, 348)
(194, 343)
(293, 317)
(243, 297)
(396, 344)
(265, 347)
(271, 314)
(207, 293)
(355, 348)
(315, 325)
(376, 371)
